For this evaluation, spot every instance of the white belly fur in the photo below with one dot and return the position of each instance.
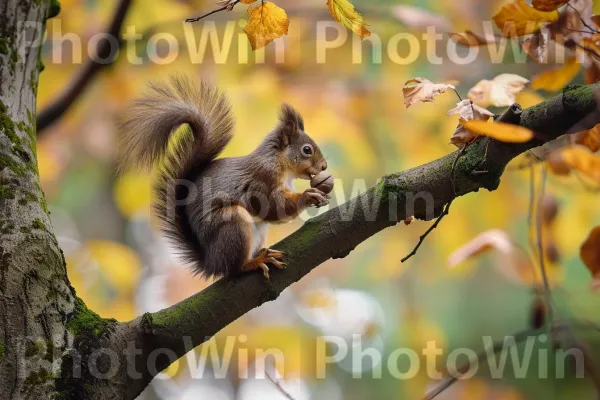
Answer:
(259, 236)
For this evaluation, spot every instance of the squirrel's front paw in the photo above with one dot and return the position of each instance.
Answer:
(315, 197)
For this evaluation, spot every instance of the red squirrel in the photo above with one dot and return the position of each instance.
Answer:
(216, 211)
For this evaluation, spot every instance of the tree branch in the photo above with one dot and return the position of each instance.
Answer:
(422, 191)
(105, 55)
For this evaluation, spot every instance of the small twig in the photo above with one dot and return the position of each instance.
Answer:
(458, 95)
(444, 211)
(428, 231)
(582, 20)
(227, 7)
(531, 208)
(540, 247)
(499, 346)
(278, 385)
(496, 347)
(76, 88)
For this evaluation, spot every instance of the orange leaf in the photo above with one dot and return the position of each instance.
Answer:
(583, 160)
(548, 5)
(519, 18)
(590, 252)
(589, 138)
(500, 131)
(556, 78)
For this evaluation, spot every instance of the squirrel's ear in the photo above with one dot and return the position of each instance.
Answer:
(291, 121)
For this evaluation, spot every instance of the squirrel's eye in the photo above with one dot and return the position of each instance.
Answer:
(307, 150)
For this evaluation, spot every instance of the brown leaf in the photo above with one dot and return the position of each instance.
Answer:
(590, 253)
(467, 111)
(499, 92)
(471, 39)
(513, 264)
(422, 90)
(548, 5)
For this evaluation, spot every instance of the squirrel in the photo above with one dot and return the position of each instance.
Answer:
(215, 211)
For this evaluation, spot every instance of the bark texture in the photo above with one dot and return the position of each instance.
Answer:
(53, 346)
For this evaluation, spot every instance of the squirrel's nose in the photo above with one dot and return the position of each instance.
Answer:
(324, 165)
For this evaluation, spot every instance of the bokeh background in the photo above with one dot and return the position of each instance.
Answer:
(121, 267)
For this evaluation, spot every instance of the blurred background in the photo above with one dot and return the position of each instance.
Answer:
(121, 267)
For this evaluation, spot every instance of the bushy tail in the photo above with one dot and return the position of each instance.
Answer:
(145, 133)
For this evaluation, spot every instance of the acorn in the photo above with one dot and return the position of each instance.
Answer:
(322, 181)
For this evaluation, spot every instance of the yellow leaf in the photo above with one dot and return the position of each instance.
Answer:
(556, 78)
(548, 5)
(422, 90)
(499, 92)
(519, 18)
(267, 22)
(343, 12)
(500, 131)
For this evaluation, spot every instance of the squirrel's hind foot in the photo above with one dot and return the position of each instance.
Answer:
(265, 256)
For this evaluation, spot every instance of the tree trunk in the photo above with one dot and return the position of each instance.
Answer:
(36, 296)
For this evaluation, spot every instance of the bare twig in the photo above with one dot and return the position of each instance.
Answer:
(278, 386)
(54, 111)
(593, 30)
(428, 231)
(500, 345)
(540, 247)
(444, 211)
(228, 6)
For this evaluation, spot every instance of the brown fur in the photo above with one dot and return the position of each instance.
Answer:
(212, 218)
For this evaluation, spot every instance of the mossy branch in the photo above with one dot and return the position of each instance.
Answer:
(337, 232)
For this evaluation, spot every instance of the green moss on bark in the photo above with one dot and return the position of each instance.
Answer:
(85, 322)
(2, 351)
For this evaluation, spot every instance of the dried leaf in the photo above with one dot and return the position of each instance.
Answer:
(422, 90)
(589, 138)
(556, 78)
(499, 92)
(267, 22)
(343, 12)
(500, 131)
(515, 265)
(519, 18)
(419, 19)
(536, 46)
(590, 253)
(548, 5)
(471, 39)
(467, 111)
